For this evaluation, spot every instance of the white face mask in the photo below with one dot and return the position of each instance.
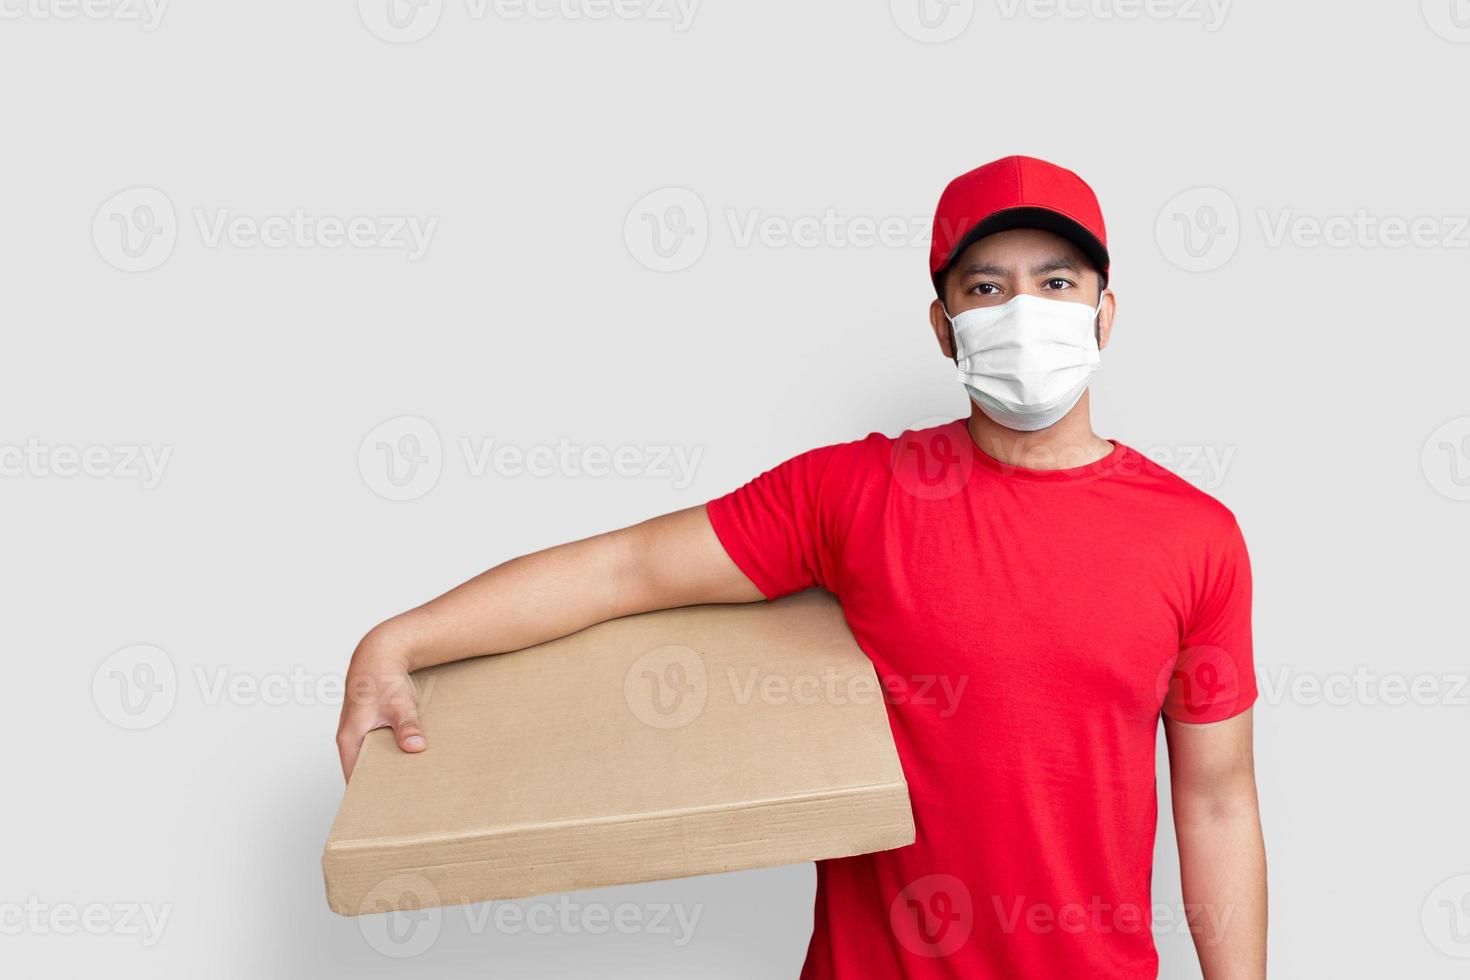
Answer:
(1026, 362)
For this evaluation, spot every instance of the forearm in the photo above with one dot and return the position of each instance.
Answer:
(1222, 860)
(668, 561)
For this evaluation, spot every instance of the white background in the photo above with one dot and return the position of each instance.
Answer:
(1319, 389)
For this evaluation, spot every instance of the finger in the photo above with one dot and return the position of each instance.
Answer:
(406, 728)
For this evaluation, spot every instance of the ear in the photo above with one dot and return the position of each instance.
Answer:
(1105, 316)
(943, 331)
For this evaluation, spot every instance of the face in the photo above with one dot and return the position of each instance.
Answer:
(998, 268)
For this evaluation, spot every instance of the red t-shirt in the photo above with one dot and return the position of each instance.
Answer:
(1028, 627)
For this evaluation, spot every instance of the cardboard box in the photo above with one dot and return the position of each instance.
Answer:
(682, 742)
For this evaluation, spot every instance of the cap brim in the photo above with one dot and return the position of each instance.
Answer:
(1031, 217)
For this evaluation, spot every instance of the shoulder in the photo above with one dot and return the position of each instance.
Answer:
(863, 470)
(1178, 504)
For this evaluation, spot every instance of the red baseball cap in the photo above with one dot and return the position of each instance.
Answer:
(1016, 192)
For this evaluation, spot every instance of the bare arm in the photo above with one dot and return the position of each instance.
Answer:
(1222, 856)
(673, 560)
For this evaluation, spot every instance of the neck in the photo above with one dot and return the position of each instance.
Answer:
(1067, 443)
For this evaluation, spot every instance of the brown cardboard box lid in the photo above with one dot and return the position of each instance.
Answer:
(681, 742)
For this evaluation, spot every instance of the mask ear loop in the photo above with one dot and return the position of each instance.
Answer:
(954, 343)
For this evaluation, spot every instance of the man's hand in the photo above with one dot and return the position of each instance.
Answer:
(379, 694)
(674, 560)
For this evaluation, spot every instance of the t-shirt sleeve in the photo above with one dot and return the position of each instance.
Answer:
(1214, 677)
(784, 529)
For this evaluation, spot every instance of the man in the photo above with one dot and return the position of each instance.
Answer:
(1067, 589)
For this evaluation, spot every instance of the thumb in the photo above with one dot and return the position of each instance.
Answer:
(404, 718)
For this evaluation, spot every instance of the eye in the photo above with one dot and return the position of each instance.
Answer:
(985, 288)
(1058, 284)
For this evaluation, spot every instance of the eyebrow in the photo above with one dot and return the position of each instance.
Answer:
(1058, 264)
(984, 269)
